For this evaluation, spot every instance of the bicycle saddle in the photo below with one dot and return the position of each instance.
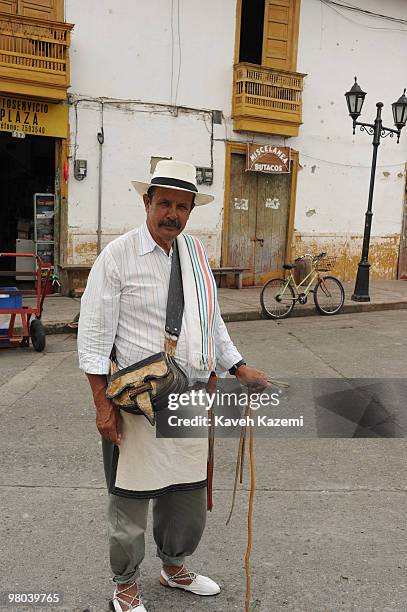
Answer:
(288, 266)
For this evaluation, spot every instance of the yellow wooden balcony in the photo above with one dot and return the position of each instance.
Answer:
(267, 100)
(34, 57)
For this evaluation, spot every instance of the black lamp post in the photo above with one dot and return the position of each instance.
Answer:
(355, 98)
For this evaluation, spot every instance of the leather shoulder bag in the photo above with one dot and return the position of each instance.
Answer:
(144, 387)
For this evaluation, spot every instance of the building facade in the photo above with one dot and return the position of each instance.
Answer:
(200, 82)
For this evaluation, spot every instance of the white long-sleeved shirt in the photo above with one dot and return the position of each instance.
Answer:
(124, 304)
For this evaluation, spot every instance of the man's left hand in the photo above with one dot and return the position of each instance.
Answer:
(256, 379)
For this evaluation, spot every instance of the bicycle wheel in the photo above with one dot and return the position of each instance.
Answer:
(277, 299)
(329, 295)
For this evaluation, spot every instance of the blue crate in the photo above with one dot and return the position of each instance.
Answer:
(4, 335)
(11, 300)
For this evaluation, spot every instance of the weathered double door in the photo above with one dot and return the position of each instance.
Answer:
(258, 221)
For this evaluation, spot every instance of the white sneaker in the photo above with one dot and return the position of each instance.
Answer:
(200, 585)
(134, 605)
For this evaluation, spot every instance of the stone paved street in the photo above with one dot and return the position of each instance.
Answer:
(329, 524)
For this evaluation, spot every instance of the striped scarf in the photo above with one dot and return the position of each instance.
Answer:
(200, 295)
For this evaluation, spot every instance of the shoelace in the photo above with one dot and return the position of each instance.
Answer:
(182, 574)
(135, 599)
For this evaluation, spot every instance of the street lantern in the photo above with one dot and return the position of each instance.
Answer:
(400, 111)
(355, 98)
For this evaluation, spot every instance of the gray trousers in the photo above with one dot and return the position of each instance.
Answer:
(178, 523)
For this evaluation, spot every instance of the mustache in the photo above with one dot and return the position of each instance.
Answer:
(170, 223)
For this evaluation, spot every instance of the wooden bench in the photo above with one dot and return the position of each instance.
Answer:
(67, 272)
(237, 272)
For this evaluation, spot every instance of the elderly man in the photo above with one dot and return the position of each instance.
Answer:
(124, 306)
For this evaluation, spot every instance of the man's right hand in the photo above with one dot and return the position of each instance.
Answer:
(108, 418)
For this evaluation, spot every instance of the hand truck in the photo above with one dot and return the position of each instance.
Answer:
(31, 324)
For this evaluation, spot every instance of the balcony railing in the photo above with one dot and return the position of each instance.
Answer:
(34, 57)
(267, 100)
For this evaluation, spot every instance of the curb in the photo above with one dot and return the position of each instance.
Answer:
(256, 315)
(301, 311)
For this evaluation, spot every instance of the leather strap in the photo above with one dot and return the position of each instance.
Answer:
(210, 388)
(175, 300)
(175, 306)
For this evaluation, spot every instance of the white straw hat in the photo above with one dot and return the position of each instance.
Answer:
(174, 175)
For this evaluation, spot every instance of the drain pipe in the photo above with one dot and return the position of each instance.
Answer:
(101, 140)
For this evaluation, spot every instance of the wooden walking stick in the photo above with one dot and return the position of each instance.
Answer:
(239, 472)
(249, 519)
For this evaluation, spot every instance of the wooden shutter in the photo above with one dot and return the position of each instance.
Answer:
(280, 39)
(8, 6)
(49, 10)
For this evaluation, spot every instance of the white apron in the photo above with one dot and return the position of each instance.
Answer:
(148, 466)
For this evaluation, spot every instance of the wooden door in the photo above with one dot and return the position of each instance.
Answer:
(272, 215)
(280, 35)
(258, 221)
(242, 216)
(8, 6)
(49, 10)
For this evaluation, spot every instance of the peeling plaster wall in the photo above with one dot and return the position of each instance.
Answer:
(347, 249)
(132, 136)
(123, 50)
(333, 181)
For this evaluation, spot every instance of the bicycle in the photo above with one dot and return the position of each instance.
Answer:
(279, 295)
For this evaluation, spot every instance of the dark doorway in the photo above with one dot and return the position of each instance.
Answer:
(251, 31)
(27, 166)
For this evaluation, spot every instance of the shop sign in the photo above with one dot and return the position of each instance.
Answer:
(33, 117)
(268, 158)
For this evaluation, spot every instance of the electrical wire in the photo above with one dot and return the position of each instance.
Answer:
(359, 9)
(101, 134)
(72, 100)
(76, 132)
(318, 159)
(101, 140)
(164, 109)
(330, 4)
(335, 163)
(172, 48)
(212, 141)
(179, 54)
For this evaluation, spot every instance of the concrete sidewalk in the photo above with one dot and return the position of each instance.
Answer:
(243, 305)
